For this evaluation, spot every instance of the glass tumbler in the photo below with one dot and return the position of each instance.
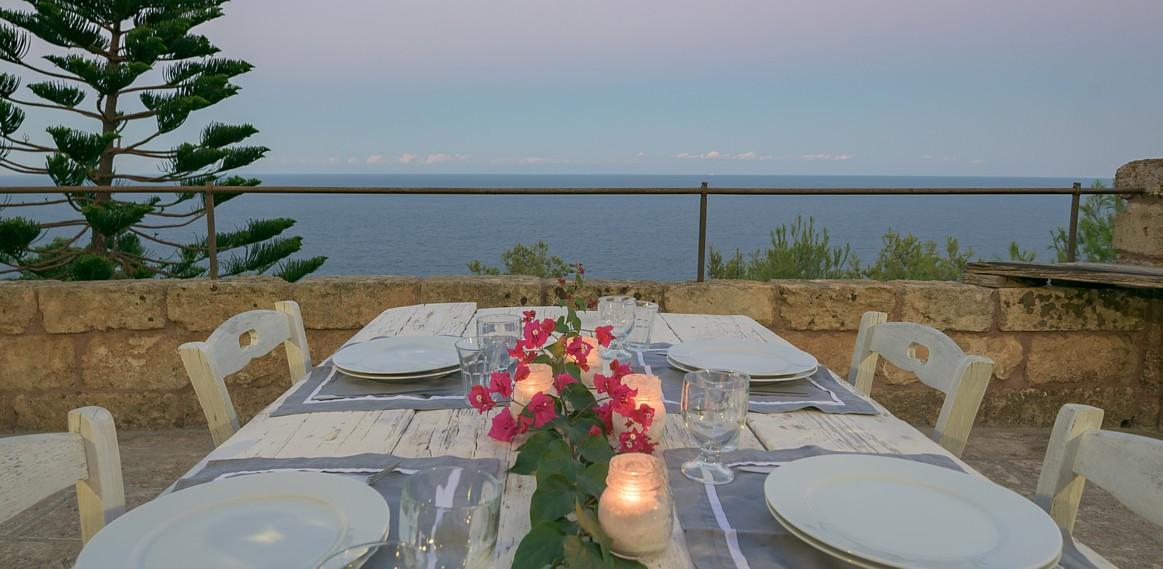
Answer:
(449, 517)
(378, 555)
(474, 362)
(639, 336)
(499, 334)
(618, 313)
(714, 409)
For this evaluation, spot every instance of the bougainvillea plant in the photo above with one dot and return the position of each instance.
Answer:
(566, 435)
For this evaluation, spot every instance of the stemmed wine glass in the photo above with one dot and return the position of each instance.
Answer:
(618, 312)
(714, 409)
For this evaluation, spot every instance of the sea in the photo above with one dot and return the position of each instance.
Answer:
(623, 237)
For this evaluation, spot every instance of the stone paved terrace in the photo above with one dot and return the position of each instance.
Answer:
(46, 536)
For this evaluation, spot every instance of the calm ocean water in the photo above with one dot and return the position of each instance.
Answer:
(640, 237)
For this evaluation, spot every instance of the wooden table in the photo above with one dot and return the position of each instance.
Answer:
(463, 432)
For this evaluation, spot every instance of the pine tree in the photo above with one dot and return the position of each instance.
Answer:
(143, 73)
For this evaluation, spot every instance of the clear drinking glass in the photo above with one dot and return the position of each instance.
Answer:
(449, 517)
(388, 555)
(474, 361)
(499, 333)
(618, 312)
(639, 336)
(714, 409)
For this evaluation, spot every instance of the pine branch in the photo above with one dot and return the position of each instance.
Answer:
(201, 214)
(296, 269)
(54, 107)
(22, 168)
(24, 204)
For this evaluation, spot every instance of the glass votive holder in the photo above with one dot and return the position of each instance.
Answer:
(540, 380)
(649, 392)
(639, 336)
(635, 509)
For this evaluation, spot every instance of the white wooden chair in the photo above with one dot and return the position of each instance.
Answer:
(33, 467)
(961, 377)
(231, 347)
(1129, 467)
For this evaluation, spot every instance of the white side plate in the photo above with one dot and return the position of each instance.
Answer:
(911, 515)
(754, 378)
(399, 355)
(747, 356)
(404, 377)
(276, 520)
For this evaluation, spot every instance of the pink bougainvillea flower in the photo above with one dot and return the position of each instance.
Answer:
(501, 384)
(619, 369)
(622, 397)
(592, 304)
(524, 421)
(634, 440)
(579, 351)
(480, 398)
(541, 405)
(605, 335)
(529, 315)
(643, 415)
(538, 333)
(522, 372)
(601, 383)
(504, 427)
(605, 412)
(595, 431)
(561, 380)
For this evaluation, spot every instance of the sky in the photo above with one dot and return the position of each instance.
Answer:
(862, 87)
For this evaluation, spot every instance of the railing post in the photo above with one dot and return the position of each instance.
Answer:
(1072, 235)
(702, 233)
(211, 233)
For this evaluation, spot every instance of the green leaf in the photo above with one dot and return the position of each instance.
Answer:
(217, 135)
(592, 480)
(13, 43)
(560, 326)
(597, 449)
(81, 147)
(16, 235)
(577, 394)
(91, 267)
(542, 547)
(8, 84)
(582, 554)
(240, 156)
(553, 499)
(296, 269)
(11, 117)
(531, 450)
(587, 520)
(112, 217)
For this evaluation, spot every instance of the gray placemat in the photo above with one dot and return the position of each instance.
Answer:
(727, 527)
(328, 389)
(359, 466)
(821, 391)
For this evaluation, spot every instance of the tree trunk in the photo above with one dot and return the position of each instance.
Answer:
(109, 121)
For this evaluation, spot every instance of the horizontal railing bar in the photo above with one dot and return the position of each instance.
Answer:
(566, 191)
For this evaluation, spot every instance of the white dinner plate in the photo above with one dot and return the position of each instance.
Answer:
(402, 377)
(911, 515)
(858, 562)
(748, 356)
(399, 355)
(276, 520)
(754, 378)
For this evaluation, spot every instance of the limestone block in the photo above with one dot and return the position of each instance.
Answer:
(1005, 350)
(323, 343)
(947, 305)
(1153, 359)
(830, 305)
(1097, 359)
(1138, 231)
(37, 362)
(130, 410)
(1146, 174)
(487, 292)
(351, 302)
(17, 307)
(918, 404)
(134, 361)
(651, 291)
(1064, 309)
(748, 298)
(107, 305)
(832, 349)
(202, 305)
(1039, 407)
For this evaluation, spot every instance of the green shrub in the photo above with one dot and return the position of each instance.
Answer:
(797, 252)
(1096, 224)
(533, 261)
(907, 257)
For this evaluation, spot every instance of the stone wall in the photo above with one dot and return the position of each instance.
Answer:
(1138, 232)
(63, 345)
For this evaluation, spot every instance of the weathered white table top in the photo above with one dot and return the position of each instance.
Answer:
(463, 432)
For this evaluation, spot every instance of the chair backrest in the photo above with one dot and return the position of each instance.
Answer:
(33, 467)
(231, 347)
(961, 377)
(1129, 467)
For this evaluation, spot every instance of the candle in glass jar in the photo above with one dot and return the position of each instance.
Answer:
(635, 508)
(594, 361)
(540, 380)
(649, 392)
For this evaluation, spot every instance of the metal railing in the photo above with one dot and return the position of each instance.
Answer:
(704, 192)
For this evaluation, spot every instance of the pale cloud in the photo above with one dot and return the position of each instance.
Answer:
(442, 157)
(352, 159)
(531, 161)
(716, 155)
(375, 159)
(407, 158)
(826, 156)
